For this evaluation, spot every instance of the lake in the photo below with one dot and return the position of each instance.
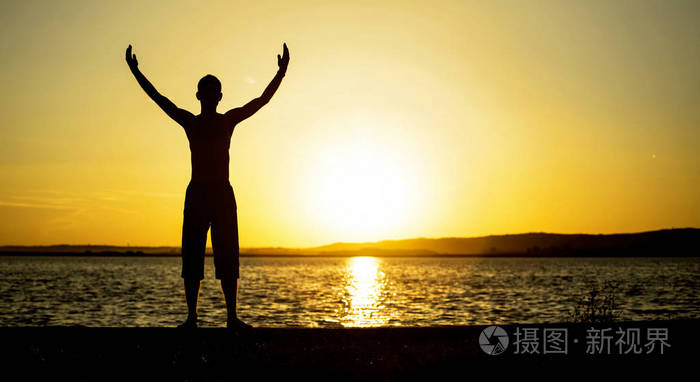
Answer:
(342, 292)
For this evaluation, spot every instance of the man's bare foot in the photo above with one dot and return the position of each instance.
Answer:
(190, 323)
(235, 323)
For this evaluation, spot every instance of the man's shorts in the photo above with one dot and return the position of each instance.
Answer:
(210, 204)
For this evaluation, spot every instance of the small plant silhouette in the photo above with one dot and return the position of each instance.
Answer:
(598, 306)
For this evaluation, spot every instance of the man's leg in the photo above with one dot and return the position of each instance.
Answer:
(191, 295)
(195, 226)
(224, 239)
(230, 288)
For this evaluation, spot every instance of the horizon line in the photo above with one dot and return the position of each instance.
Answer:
(357, 242)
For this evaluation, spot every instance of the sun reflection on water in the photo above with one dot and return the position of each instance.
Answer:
(364, 293)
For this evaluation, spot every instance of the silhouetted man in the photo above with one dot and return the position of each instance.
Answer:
(209, 199)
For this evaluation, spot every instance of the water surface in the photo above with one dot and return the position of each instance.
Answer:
(328, 291)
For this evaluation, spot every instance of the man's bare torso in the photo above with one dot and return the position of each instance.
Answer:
(210, 139)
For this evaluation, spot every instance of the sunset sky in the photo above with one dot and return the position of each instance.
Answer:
(396, 119)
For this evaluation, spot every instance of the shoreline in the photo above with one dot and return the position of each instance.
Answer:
(355, 353)
(681, 242)
(343, 255)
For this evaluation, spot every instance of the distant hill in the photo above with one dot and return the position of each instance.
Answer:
(669, 242)
(661, 243)
(69, 249)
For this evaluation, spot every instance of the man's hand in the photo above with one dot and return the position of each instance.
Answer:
(240, 113)
(282, 62)
(182, 117)
(131, 59)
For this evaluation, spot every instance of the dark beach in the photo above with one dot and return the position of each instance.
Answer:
(82, 353)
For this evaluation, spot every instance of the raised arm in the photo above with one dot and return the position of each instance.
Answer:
(180, 116)
(240, 113)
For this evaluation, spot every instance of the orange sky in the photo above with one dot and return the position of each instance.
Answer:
(396, 119)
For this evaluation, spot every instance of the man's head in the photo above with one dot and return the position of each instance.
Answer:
(209, 89)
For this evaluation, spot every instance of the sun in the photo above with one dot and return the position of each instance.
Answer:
(364, 188)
